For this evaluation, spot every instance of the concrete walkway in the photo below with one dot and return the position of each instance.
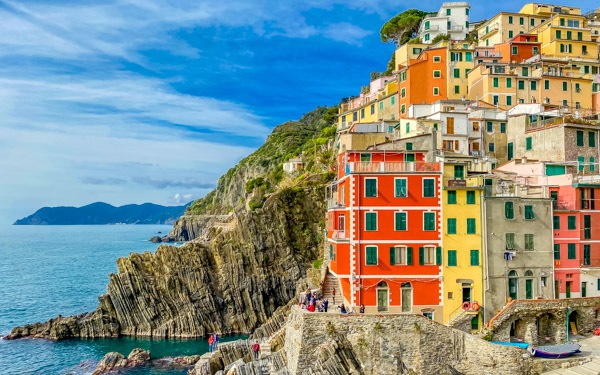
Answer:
(590, 347)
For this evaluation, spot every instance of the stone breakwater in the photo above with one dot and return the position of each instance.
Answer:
(233, 283)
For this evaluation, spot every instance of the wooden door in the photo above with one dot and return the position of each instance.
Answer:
(449, 125)
(382, 300)
(406, 300)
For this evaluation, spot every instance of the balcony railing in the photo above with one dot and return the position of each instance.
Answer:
(333, 203)
(340, 235)
(559, 121)
(392, 167)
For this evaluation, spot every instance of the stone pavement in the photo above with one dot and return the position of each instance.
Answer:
(590, 347)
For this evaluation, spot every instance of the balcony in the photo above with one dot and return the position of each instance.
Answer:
(456, 28)
(333, 203)
(392, 167)
(340, 235)
(559, 121)
(563, 205)
(432, 28)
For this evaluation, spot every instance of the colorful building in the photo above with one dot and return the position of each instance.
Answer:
(385, 232)
(452, 19)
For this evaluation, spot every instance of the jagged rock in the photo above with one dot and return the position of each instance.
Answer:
(138, 357)
(156, 239)
(232, 284)
(110, 362)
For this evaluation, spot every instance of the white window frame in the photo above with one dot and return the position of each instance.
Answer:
(423, 187)
(343, 195)
(429, 252)
(376, 255)
(438, 91)
(440, 72)
(401, 255)
(400, 178)
(376, 187)
(434, 221)
(400, 212)
(437, 59)
(376, 221)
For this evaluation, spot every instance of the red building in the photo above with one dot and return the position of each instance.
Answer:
(519, 48)
(576, 239)
(384, 230)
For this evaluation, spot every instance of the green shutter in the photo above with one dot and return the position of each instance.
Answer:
(438, 256)
(556, 251)
(592, 166)
(529, 213)
(451, 226)
(581, 162)
(592, 139)
(451, 258)
(451, 196)
(556, 222)
(330, 251)
(409, 256)
(371, 255)
(392, 256)
(572, 222)
(400, 188)
(528, 143)
(421, 255)
(474, 257)
(470, 197)
(571, 252)
(508, 210)
(371, 221)
(471, 226)
(586, 255)
(579, 138)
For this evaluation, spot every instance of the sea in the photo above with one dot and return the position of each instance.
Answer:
(46, 271)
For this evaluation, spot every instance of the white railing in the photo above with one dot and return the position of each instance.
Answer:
(340, 235)
(390, 167)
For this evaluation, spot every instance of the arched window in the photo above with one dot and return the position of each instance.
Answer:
(382, 284)
(512, 273)
(406, 285)
(528, 273)
(513, 282)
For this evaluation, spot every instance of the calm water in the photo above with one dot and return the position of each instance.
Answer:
(50, 270)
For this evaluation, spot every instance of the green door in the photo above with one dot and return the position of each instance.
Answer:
(410, 157)
(510, 151)
(512, 288)
(568, 289)
(382, 300)
(529, 289)
(406, 299)
(584, 289)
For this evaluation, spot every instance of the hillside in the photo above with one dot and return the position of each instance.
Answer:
(104, 213)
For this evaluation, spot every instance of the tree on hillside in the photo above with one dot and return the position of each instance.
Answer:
(403, 27)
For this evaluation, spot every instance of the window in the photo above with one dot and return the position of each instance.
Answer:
(437, 73)
(437, 58)
(371, 255)
(569, 34)
(430, 255)
(436, 91)
(521, 21)
(587, 227)
(468, 57)
(579, 138)
(581, 162)
(467, 11)
(457, 89)
(451, 223)
(525, 71)
(510, 241)
(509, 212)
(534, 85)
(403, 108)
(565, 103)
(428, 187)
(408, 127)
(521, 85)
(392, 99)
(562, 21)
(426, 27)
(456, 73)
(591, 139)
(510, 20)
(529, 241)
(372, 109)
(403, 92)
(355, 116)
(496, 82)
(556, 222)
(510, 34)
(451, 196)
(508, 82)
(557, 251)
(546, 84)
(496, 99)
(502, 127)
(579, 35)
(491, 147)
(400, 224)
(470, 197)
(592, 166)
(370, 221)
(459, 172)
(362, 113)
(490, 127)
(400, 190)
(532, 23)
(426, 36)
(528, 145)
(558, 35)
(529, 213)
(400, 255)
(429, 221)
(571, 252)
(535, 51)
(471, 226)
(572, 222)
(452, 258)
(408, 146)
(370, 187)
(448, 11)
(474, 257)
(381, 105)
(508, 100)
(515, 50)
(586, 255)
(565, 86)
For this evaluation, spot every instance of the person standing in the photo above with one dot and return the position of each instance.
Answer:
(216, 344)
(256, 348)
(325, 304)
(211, 341)
(333, 295)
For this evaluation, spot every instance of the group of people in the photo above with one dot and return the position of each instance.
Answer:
(213, 342)
(310, 302)
(342, 309)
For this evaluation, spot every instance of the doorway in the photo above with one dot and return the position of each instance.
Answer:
(466, 294)
(342, 224)
(406, 297)
(382, 297)
(568, 288)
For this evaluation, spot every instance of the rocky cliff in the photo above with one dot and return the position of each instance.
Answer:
(232, 283)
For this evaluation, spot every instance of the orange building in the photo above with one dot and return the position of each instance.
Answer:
(519, 48)
(423, 80)
(384, 230)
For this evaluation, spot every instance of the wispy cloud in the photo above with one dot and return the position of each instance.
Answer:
(163, 183)
(103, 181)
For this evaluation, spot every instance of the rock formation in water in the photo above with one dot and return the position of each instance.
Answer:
(232, 283)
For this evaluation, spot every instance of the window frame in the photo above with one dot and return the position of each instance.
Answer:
(425, 215)
(366, 191)
(367, 255)
(423, 188)
(396, 213)
(396, 179)
(376, 221)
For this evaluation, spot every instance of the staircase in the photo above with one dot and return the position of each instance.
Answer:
(329, 283)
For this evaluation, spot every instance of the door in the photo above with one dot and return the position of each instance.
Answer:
(584, 289)
(556, 289)
(510, 151)
(450, 125)
(529, 289)
(382, 300)
(342, 225)
(569, 289)
(410, 157)
(406, 300)
(466, 291)
(512, 288)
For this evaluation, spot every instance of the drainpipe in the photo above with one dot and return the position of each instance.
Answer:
(487, 272)
(358, 226)
(483, 252)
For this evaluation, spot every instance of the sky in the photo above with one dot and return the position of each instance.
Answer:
(134, 101)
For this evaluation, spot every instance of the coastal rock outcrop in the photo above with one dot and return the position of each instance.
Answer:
(114, 361)
(233, 283)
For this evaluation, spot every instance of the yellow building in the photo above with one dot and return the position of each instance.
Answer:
(505, 25)
(459, 62)
(494, 84)
(567, 35)
(408, 51)
(463, 246)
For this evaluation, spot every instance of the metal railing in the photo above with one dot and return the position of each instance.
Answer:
(340, 235)
(390, 167)
(333, 203)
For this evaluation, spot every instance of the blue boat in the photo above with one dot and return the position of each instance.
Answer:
(556, 351)
(522, 345)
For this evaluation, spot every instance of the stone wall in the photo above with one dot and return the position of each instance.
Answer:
(391, 344)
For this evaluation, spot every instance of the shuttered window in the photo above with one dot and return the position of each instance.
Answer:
(592, 139)
(370, 187)
(556, 222)
(428, 187)
(571, 252)
(572, 222)
(471, 226)
(393, 259)
(579, 138)
(452, 258)
(474, 257)
(371, 221)
(509, 212)
(371, 255)
(510, 241)
(451, 226)
(429, 221)
(400, 190)
(529, 213)
(556, 251)
(529, 239)
(587, 255)
(451, 196)
(470, 197)
(400, 221)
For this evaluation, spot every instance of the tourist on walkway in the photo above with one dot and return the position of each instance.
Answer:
(256, 348)
(362, 309)
(333, 295)
(325, 304)
(343, 309)
(311, 308)
(216, 344)
(320, 307)
(211, 341)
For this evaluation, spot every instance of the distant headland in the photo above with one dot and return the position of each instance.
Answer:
(104, 213)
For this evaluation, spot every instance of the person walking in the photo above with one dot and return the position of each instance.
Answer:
(216, 344)
(256, 348)
(333, 295)
(362, 309)
(211, 341)
(325, 304)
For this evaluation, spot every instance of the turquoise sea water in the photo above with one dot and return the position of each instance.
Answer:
(47, 271)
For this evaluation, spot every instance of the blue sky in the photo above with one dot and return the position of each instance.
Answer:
(134, 101)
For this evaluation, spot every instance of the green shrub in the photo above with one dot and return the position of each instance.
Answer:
(317, 263)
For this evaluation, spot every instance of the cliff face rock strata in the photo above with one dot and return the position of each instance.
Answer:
(232, 284)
